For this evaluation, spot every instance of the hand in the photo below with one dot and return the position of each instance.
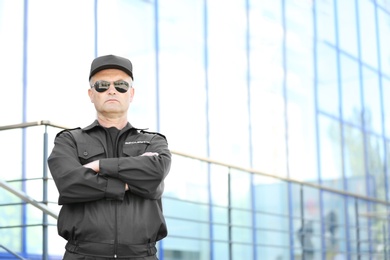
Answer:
(93, 165)
(149, 154)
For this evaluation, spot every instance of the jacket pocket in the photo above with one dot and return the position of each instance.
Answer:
(135, 148)
(89, 152)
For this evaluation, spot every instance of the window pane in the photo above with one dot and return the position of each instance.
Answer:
(299, 83)
(11, 60)
(354, 159)
(351, 93)
(376, 167)
(327, 83)
(334, 223)
(56, 41)
(187, 180)
(228, 87)
(372, 101)
(384, 40)
(181, 74)
(330, 153)
(367, 32)
(346, 23)
(386, 105)
(266, 88)
(325, 22)
(183, 248)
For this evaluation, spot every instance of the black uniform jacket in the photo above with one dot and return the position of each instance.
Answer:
(98, 217)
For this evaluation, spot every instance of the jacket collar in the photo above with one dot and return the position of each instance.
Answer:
(126, 128)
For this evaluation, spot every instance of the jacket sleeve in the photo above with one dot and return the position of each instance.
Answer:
(74, 182)
(144, 174)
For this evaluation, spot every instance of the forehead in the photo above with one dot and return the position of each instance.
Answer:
(111, 74)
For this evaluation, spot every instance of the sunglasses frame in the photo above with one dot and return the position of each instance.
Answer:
(121, 86)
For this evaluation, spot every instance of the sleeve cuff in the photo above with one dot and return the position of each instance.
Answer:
(109, 167)
(115, 189)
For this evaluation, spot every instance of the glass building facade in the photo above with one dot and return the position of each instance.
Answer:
(305, 84)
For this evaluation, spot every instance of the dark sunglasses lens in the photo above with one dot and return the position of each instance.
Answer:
(121, 86)
(101, 85)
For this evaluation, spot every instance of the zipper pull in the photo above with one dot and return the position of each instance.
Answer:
(115, 256)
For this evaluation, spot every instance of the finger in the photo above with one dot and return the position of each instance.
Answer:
(149, 154)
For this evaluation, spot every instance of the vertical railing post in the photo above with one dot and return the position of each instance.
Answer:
(210, 213)
(302, 230)
(230, 217)
(384, 241)
(357, 230)
(45, 197)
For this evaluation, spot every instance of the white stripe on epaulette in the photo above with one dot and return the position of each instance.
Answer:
(138, 142)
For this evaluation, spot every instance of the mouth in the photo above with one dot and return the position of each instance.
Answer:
(112, 100)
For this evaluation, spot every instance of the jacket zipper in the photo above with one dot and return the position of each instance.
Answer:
(115, 150)
(116, 230)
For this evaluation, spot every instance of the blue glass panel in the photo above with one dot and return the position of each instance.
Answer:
(186, 229)
(299, 90)
(354, 163)
(376, 167)
(368, 32)
(351, 93)
(347, 26)
(10, 221)
(266, 87)
(325, 20)
(182, 248)
(220, 250)
(11, 60)
(327, 79)
(227, 81)
(330, 144)
(181, 74)
(384, 39)
(241, 251)
(241, 191)
(372, 101)
(334, 223)
(386, 105)
(220, 232)
(278, 191)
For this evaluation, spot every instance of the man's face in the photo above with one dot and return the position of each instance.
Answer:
(111, 103)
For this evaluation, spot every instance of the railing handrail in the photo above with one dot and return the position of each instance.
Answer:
(231, 166)
(11, 252)
(28, 199)
(30, 124)
(286, 179)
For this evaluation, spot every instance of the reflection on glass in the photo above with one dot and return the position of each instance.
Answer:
(327, 79)
(347, 26)
(351, 93)
(372, 101)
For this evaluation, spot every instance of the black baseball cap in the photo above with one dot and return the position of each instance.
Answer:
(111, 62)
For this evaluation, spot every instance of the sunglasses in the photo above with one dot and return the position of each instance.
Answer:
(120, 85)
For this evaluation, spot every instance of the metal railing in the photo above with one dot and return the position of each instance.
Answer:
(227, 165)
(12, 253)
(26, 198)
(357, 197)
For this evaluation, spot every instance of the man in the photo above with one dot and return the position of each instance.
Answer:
(110, 175)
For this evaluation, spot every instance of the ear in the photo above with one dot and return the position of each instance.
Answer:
(131, 94)
(90, 94)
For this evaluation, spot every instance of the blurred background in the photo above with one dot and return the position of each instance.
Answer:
(277, 112)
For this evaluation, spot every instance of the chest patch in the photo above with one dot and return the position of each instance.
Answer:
(138, 142)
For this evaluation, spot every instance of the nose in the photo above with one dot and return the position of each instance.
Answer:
(111, 89)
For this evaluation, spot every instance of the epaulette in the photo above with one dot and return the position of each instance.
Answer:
(153, 133)
(67, 130)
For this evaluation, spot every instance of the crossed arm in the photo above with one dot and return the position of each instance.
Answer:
(109, 178)
(95, 165)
